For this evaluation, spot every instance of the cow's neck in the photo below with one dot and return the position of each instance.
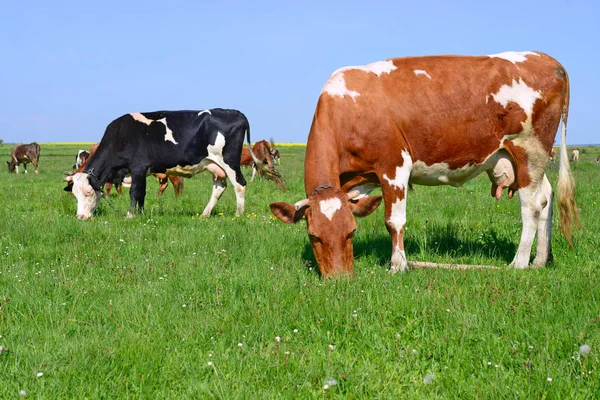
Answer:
(321, 165)
(99, 168)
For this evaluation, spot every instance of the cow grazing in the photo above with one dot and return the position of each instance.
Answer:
(575, 156)
(24, 154)
(276, 157)
(438, 120)
(163, 179)
(275, 152)
(181, 143)
(81, 158)
(262, 151)
(553, 155)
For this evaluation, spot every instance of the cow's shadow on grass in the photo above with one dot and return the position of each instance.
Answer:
(439, 241)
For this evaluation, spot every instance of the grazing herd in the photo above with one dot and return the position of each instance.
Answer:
(437, 120)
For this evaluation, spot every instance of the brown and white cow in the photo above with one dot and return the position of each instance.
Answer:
(262, 151)
(598, 160)
(24, 154)
(437, 120)
(575, 156)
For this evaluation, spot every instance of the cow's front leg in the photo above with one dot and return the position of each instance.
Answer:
(394, 194)
(137, 193)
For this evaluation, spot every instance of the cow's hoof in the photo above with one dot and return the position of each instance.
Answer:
(130, 215)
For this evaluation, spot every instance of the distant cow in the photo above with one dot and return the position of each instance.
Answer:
(598, 159)
(163, 179)
(181, 143)
(275, 152)
(276, 157)
(262, 151)
(575, 156)
(553, 155)
(24, 154)
(81, 158)
(439, 120)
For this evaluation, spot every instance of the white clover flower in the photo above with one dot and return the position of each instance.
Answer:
(329, 382)
(549, 379)
(489, 363)
(331, 347)
(277, 339)
(296, 330)
(40, 374)
(210, 363)
(240, 344)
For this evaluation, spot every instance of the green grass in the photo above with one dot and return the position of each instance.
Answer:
(156, 307)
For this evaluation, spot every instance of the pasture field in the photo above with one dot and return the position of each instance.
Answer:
(170, 306)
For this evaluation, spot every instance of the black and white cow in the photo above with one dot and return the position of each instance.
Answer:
(80, 158)
(181, 143)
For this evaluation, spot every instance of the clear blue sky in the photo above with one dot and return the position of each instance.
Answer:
(69, 68)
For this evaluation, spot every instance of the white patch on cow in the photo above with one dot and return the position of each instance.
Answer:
(441, 174)
(398, 215)
(422, 72)
(364, 189)
(216, 150)
(514, 56)
(330, 207)
(141, 118)
(398, 261)
(169, 133)
(379, 68)
(205, 111)
(521, 94)
(336, 85)
(402, 173)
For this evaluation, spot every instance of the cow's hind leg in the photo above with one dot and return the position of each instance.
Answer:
(394, 187)
(544, 229)
(536, 215)
(219, 186)
(239, 184)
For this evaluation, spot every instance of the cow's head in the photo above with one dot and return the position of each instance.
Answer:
(87, 196)
(329, 215)
(11, 166)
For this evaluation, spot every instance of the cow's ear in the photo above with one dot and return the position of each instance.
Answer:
(68, 188)
(287, 212)
(365, 206)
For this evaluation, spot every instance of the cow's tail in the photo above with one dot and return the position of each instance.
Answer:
(268, 171)
(569, 215)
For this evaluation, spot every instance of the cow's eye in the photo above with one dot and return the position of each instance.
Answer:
(313, 237)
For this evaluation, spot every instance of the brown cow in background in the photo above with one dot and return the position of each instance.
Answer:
(262, 151)
(24, 154)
